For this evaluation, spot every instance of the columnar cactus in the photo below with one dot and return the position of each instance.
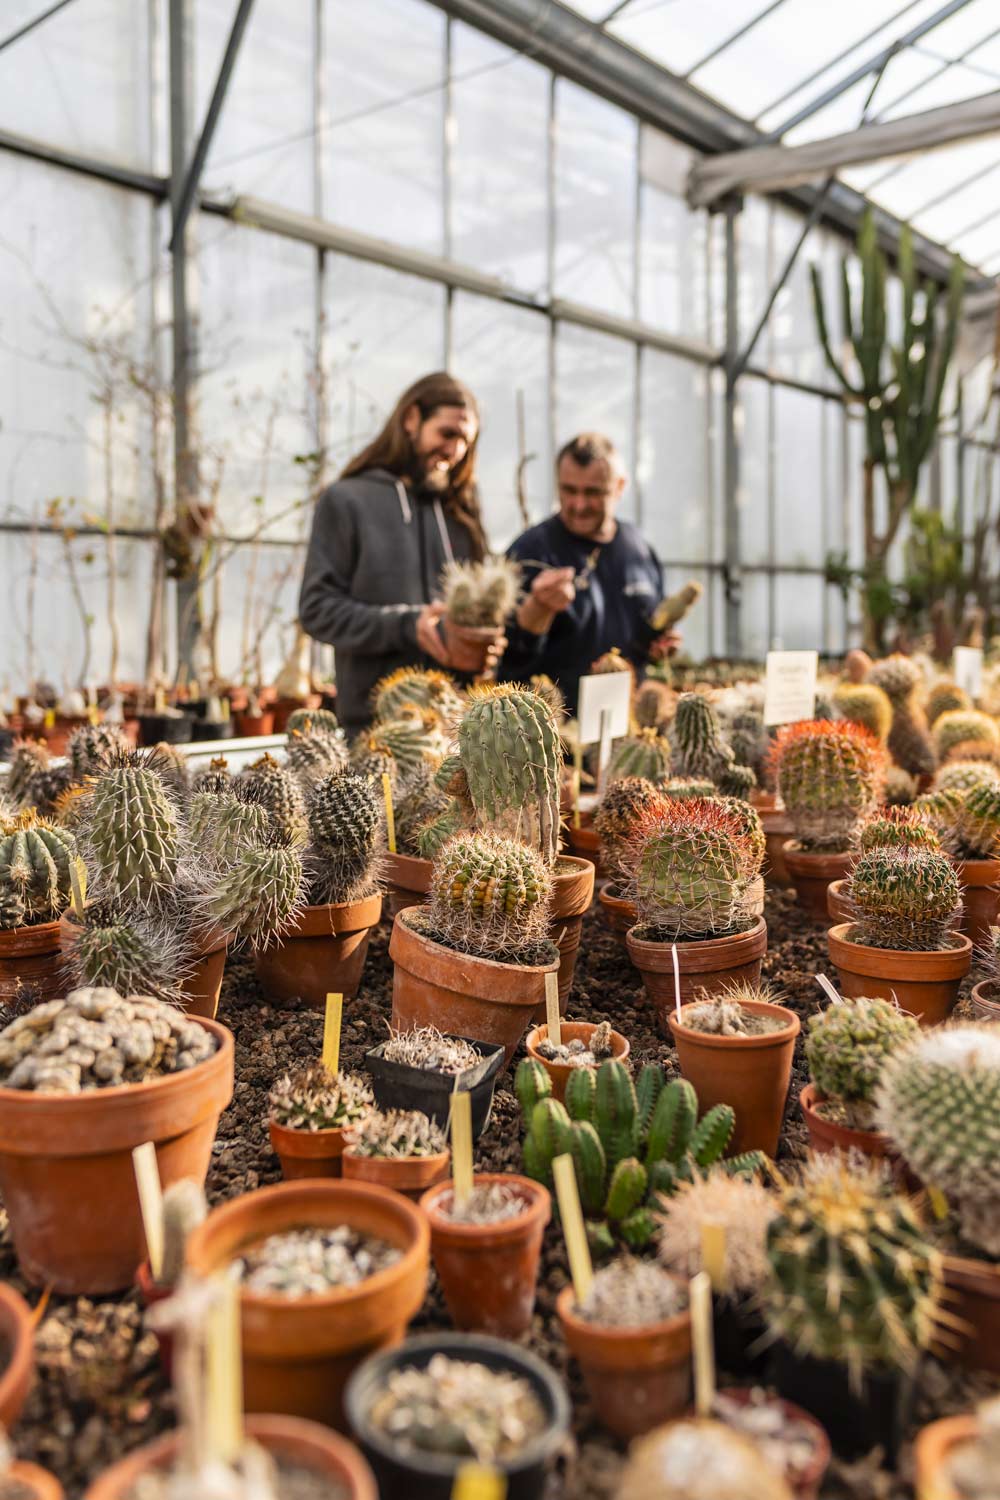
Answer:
(26, 758)
(512, 757)
(944, 697)
(140, 952)
(696, 739)
(279, 794)
(958, 726)
(829, 776)
(909, 739)
(846, 1050)
(489, 897)
(865, 704)
(216, 777)
(645, 753)
(35, 860)
(620, 807)
(977, 825)
(749, 740)
(905, 898)
(897, 828)
(691, 864)
(344, 825)
(132, 841)
(258, 891)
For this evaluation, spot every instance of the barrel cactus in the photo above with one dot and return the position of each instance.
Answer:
(829, 776)
(699, 749)
(427, 689)
(92, 746)
(944, 697)
(481, 594)
(26, 758)
(344, 813)
(35, 861)
(215, 777)
(909, 738)
(864, 704)
(940, 809)
(620, 808)
(897, 828)
(963, 775)
(489, 897)
(958, 725)
(846, 1050)
(509, 746)
(904, 898)
(279, 793)
(394, 747)
(645, 753)
(977, 824)
(900, 788)
(682, 788)
(312, 756)
(312, 721)
(691, 864)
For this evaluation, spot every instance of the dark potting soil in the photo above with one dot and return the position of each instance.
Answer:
(99, 1391)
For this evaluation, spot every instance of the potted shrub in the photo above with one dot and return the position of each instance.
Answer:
(583, 1044)
(699, 1459)
(632, 1339)
(958, 1458)
(17, 1349)
(791, 1441)
(693, 864)
(976, 849)
(310, 1110)
(902, 945)
(829, 776)
(478, 597)
(480, 1400)
(402, 1150)
(939, 1102)
(851, 1301)
(35, 860)
(486, 1250)
(846, 1048)
(329, 1271)
(473, 960)
(82, 1081)
(422, 1068)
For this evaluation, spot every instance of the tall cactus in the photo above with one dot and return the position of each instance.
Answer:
(512, 756)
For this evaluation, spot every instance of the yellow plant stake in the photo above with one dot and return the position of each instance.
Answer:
(713, 1255)
(390, 819)
(937, 1201)
(479, 1482)
(552, 1021)
(700, 1295)
(50, 718)
(461, 1146)
(147, 1180)
(224, 1368)
(331, 1032)
(78, 885)
(580, 1267)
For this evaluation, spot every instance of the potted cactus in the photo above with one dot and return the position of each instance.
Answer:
(621, 808)
(473, 960)
(309, 1112)
(790, 1439)
(939, 1103)
(631, 1336)
(422, 1068)
(958, 1458)
(909, 741)
(693, 868)
(645, 754)
(23, 1481)
(846, 1049)
(699, 1459)
(976, 849)
(478, 597)
(699, 749)
(401, 1149)
(863, 703)
(417, 802)
(902, 945)
(829, 776)
(885, 828)
(958, 728)
(582, 1044)
(35, 862)
(985, 998)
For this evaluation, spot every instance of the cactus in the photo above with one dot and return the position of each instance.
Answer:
(344, 814)
(900, 788)
(532, 1084)
(433, 835)
(653, 705)
(742, 1208)
(749, 740)
(215, 778)
(627, 1189)
(512, 757)
(172, 768)
(644, 754)
(749, 823)
(939, 1103)
(581, 1094)
(397, 1133)
(696, 739)
(91, 746)
(131, 838)
(46, 787)
(279, 793)
(699, 1460)
(829, 775)
(489, 897)
(977, 826)
(691, 864)
(959, 725)
(551, 692)
(312, 721)
(909, 740)
(26, 758)
(258, 894)
(945, 696)
(419, 802)
(12, 908)
(398, 747)
(616, 816)
(864, 704)
(681, 788)
(846, 1050)
(905, 899)
(311, 757)
(897, 828)
(851, 1277)
(132, 951)
(426, 689)
(613, 661)
(480, 594)
(312, 1098)
(963, 775)
(35, 860)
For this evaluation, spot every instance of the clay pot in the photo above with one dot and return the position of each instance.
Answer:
(825, 1135)
(932, 1450)
(707, 966)
(409, 1175)
(750, 1073)
(306, 1153)
(584, 843)
(972, 1288)
(778, 831)
(30, 958)
(253, 726)
(66, 1167)
(468, 644)
(488, 1272)
(925, 984)
(40, 1484)
(475, 997)
(811, 874)
(636, 1378)
(619, 913)
(806, 1486)
(571, 1031)
(306, 1444)
(407, 880)
(17, 1337)
(298, 1352)
(572, 893)
(838, 907)
(980, 882)
(203, 985)
(323, 953)
(985, 1001)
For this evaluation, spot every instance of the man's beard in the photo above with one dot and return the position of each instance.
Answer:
(432, 480)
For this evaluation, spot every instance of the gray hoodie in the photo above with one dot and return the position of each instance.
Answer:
(375, 557)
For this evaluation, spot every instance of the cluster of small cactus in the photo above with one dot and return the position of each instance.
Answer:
(313, 1098)
(631, 1143)
(344, 815)
(511, 754)
(480, 594)
(616, 817)
(897, 828)
(944, 697)
(645, 753)
(35, 864)
(904, 899)
(829, 776)
(691, 864)
(458, 1407)
(909, 738)
(865, 704)
(489, 897)
(699, 749)
(958, 727)
(852, 1278)
(977, 823)
(846, 1050)
(398, 1132)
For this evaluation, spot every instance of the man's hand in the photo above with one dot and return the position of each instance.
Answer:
(552, 591)
(428, 636)
(664, 645)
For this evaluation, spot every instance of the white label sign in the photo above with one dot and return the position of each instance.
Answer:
(610, 692)
(967, 669)
(790, 686)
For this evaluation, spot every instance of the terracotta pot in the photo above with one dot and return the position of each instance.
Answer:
(572, 893)
(488, 1272)
(40, 1483)
(30, 959)
(985, 1000)
(571, 1031)
(636, 1378)
(407, 880)
(619, 913)
(980, 882)
(306, 1444)
(825, 1135)
(299, 1352)
(66, 1167)
(250, 726)
(812, 873)
(462, 996)
(306, 1153)
(973, 1294)
(777, 832)
(806, 1485)
(203, 986)
(324, 952)
(750, 1073)
(838, 907)
(584, 843)
(763, 800)
(932, 1450)
(409, 1175)
(706, 967)
(17, 1342)
(468, 644)
(925, 984)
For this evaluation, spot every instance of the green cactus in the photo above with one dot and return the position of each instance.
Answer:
(627, 1189)
(639, 1229)
(279, 793)
(426, 689)
(132, 836)
(589, 1162)
(132, 952)
(479, 594)
(91, 746)
(397, 746)
(46, 789)
(433, 835)
(897, 828)
(653, 705)
(645, 754)
(672, 1122)
(647, 1092)
(905, 899)
(12, 909)
(512, 757)
(259, 893)
(418, 803)
(957, 726)
(909, 741)
(940, 810)
(683, 788)
(550, 1127)
(699, 749)
(489, 897)
(690, 874)
(27, 757)
(712, 1135)
(533, 1084)
(35, 861)
(621, 807)
(945, 696)
(736, 783)
(344, 813)
(963, 775)
(865, 704)
(216, 777)
(977, 826)
(170, 764)
(616, 1112)
(846, 1050)
(312, 757)
(312, 721)
(829, 776)
(749, 740)
(581, 1093)
(900, 788)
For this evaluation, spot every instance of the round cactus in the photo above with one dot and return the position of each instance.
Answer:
(279, 793)
(691, 863)
(944, 697)
(846, 1048)
(344, 820)
(680, 788)
(749, 740)
(312, 721)
(977, 826)
(35, 860)
(26, 758)
(428, 689)
(489, 896)
(699, 1460)
(905, 898)
(829, 775)
(312, 756)
(512, 756)
(419, 802)
(909, 738)
(645, 753)
(653, 705)
(897, 828)
(896, 675)
(12, 911)
(91, 746)
(958, 725)
(864, 704)
(963, 775)
(394, 746)
(216, 778)
(615, 819)
(132, 837)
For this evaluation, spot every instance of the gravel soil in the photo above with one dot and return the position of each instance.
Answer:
(99, 1391)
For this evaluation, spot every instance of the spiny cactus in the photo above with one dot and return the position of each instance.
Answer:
(434, 834)
(480, 593)
(846, 1050)
(132, 835)
(489, 897)
(683, 788)
(909, 738)
(312, 756)
(131, 951)
(743, 1208)
(427, 689)
(279, 794)
(690, 865)
(258, 892)
(897, 828)
(345, 813)
(691, 1459)
(215, 777)
(904, 898)
(26, 758)
(829, 776)
(939, 1103)
(963, 775)
(397, 1133)
(616, 816)
(91, 746)
(958, 725)
(696, 739)
(394, 746)
(313, 1098)
(852, 1277)
(510, 750)
(944, 697)
(12, 911)
(864, 704)
(312, 721)
(35, 860)
(46, 787)
(613, 661)
(977, 826)
(653, 705)
(419, 802)
(172, 768)
(749, 740)
(645, 753)
(552, 693)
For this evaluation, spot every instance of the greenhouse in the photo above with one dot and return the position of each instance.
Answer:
(500, 750)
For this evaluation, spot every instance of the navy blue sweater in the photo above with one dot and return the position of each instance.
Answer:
(612, 610)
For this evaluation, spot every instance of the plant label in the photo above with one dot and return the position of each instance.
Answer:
(713, 1254)
(828, 989)
(553, 1025)
(390, 819)
(700, 1295)
(479, 1482)
(147, 1180)
(611, 691)
(461, 1146)
(677, 979)
(967, 669)
(580, 1265)
(790, 686)
(78, 886)
(331, 1032)
(224, 1369)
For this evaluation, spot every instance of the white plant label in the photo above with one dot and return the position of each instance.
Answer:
(967, 669)
(610, 691)
(790, 686)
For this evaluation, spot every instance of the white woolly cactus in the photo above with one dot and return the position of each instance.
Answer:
(480, 594)
(396, 1133)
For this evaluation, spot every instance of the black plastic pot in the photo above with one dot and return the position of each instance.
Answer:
(398, 1086)
(205, 729)
(431, 1476)
(740, 1347)
(857, 1418)
(168, 729)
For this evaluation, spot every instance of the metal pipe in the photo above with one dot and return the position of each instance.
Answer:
(29, 26)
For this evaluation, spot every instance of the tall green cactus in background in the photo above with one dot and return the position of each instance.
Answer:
(898, 386)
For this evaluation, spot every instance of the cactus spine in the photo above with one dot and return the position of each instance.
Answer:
(905, 898)
(691, 864)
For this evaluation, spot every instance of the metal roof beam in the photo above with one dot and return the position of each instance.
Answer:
(28, 26)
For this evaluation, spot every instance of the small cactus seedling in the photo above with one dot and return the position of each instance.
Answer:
(829, 776)
(511, 754)
(480, 594)
(489, 897)
(904, 898)
(397, 1133)
(846, 1050)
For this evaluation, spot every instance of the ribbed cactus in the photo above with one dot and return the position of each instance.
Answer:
(683, 788)
(615, 819)
(12, 911)
(132, 841)
(945, 696)
(172, 768)
(865, 704)
(829, 776)
(312, 721)
(940, 811)
(26, 758)
(216, 777)
(279, 793)
(846, 1050)
(428, 689)
(396, 746)
(434, 834)
(904, 898)
(653, 705)
(35, 860)
(46, 788)
(345, 813)
(510, 750)
(258, 893)
(909, 737)
(419, 801)
(92, 746)
(312, 756)
(645, 753)
(480, 593)
(977, 825)
(691, 864)
(959, 725)
(750, 825)
(133, 952)
(897, 828)
(939, 1102)
(852, 1278)
(489, 897)
(699, 749)
(749, 740)
(963, 775)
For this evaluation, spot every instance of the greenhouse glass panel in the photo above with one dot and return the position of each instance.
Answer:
(753, 495)
(672, 465)
(798, 611)
(679, 36)
(260, 600)
(595, 392)
(595, 174)
(799, 479)
(755, 615)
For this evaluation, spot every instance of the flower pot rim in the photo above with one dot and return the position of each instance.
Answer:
(42, 1484)
(299, 1132)
(636, 1333)
(692, 945)
(403, 919)
(809, 1097)
(822, 1448)
(538, 1206)
(979, 992)
(17, 1323)
(787, 1033)
(540, 1033)
(363, 912)
(413, 866)
(794, 848)
(610, 895)
(14, 939)
(987, 869)
(960, 946)
(933, 1444)
(436, 1159)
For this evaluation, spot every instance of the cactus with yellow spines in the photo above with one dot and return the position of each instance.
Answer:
(489, 897)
